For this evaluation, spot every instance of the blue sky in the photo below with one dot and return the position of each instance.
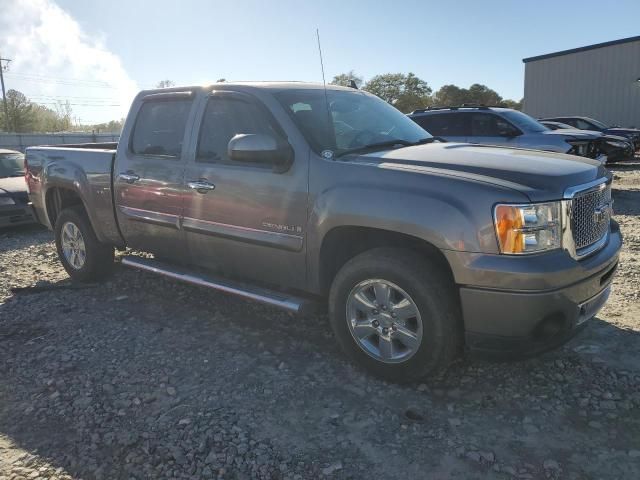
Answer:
(198, 41)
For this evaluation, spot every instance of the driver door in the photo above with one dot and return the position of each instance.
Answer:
(249, 221)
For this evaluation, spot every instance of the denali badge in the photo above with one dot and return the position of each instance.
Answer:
(282, 228)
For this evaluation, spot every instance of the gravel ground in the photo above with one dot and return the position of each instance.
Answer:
(141, 377)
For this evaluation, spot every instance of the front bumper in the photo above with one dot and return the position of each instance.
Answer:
(524, 305)
(18, 214)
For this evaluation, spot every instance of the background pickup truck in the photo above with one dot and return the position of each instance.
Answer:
(287, 193)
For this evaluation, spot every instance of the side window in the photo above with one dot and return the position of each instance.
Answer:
(570, 121)
(582, 125)
(159, 128)
(224, 118)
(489, 125)
(443, 124)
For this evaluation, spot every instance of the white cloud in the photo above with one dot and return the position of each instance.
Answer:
(53, 58)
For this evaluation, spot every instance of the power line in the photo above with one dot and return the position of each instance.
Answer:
(66, 97)
(66, 79)
(86, 84)
(81, 104)
(60, 79)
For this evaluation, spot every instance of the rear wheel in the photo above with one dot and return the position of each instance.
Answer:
(82, 255)
(396, 313)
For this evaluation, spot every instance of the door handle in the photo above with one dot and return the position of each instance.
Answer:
(201, 186)
(129, 177)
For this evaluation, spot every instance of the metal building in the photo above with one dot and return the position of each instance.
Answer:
(601, 81)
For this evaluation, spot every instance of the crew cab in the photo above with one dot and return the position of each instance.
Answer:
(295, 195)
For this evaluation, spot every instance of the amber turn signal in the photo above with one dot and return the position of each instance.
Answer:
(509, 223)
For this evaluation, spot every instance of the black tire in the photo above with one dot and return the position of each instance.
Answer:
(434, 295)
(99, 256)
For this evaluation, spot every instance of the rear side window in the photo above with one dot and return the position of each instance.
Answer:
(489, 125)
(583, 125)
(159, 128)
(225, 117)
(444, 124)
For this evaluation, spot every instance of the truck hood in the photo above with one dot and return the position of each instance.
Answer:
(539, 175)
(622, 131)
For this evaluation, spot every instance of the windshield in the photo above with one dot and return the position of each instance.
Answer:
(11, 165)
(357, 120)
(524, 121)
(598, 124)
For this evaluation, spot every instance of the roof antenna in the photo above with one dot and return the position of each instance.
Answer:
(353, 84)
(328, 154)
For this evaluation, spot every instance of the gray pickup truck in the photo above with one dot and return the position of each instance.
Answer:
(288, 194)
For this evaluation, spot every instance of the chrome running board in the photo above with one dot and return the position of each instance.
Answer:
(262, 295)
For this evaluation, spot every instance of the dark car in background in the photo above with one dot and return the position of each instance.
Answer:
(615, 147)
(14, 201)
(504, 127)
(556, 125)
(586, 123)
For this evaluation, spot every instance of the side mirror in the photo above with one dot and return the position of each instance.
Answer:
(261, 148)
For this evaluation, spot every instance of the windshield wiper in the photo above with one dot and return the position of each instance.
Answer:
(386, 144)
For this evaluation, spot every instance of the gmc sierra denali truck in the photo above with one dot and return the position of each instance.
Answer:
(287, 193)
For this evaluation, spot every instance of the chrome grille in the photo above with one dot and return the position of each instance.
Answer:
(590, 215)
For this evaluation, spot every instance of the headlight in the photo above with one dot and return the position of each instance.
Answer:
(6, 200)
(617, 143)
(531, 228)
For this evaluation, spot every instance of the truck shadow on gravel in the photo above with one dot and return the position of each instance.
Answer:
(147, 378)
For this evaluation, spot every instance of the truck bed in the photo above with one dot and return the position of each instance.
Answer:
(86, 169)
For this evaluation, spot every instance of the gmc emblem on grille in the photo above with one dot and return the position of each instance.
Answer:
(603, 212)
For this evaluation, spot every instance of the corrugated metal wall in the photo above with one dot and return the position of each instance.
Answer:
(600, 83)
(20, 141)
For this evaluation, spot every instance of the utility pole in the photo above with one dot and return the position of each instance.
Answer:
(4, 95)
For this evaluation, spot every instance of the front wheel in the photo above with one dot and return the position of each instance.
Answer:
(82, 255)
(396, 313)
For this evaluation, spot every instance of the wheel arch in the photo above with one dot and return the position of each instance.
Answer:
(343, 243)
(58, 198)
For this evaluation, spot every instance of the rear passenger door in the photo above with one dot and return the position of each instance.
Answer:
(149, 174)
(452, 126)
(490, 129)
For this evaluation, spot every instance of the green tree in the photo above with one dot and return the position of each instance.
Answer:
(113, 126)
(513, 104)
(344, 79)
(483, 95)
(21, 112)
(26, 116)
(405, 92)
(450, 95)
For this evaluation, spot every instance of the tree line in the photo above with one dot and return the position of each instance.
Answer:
(407, 92)
(26, 116)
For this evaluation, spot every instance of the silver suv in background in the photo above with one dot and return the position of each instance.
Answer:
(504, 127)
